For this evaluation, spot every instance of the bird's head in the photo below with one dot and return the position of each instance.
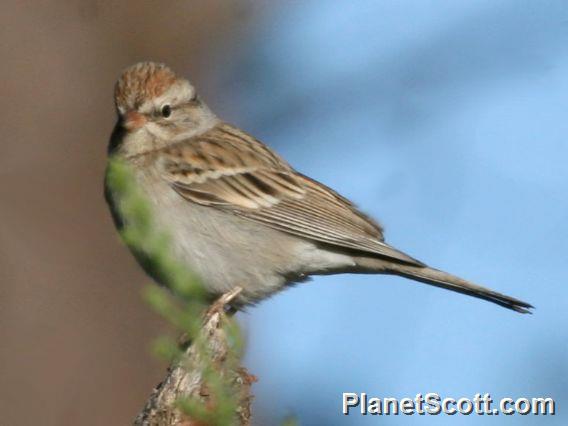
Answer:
(155, 107)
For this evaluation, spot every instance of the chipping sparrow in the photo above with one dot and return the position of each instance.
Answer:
(238, 214)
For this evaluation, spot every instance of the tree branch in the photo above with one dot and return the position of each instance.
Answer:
(186, 381)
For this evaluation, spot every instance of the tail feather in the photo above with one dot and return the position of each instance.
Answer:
(444, 280)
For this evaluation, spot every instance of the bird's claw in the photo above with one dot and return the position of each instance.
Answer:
(218, 307)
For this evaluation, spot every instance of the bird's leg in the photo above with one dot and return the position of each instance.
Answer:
(219, 305)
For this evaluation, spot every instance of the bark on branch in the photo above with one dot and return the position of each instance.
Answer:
(185, 378)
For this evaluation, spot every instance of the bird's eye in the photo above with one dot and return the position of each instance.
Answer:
(166, 111)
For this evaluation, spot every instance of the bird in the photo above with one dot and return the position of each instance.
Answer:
(236, 212)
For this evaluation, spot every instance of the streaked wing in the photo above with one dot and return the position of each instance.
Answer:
(227, 169)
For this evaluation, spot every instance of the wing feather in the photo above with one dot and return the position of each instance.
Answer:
(227, 169)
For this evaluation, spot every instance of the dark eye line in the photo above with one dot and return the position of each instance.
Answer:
(166, 110)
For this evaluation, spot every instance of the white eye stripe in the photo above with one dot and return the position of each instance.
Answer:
(179, 92)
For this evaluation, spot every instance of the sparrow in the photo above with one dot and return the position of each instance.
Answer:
(237, 213)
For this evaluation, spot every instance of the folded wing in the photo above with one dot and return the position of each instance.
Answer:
(227, 169)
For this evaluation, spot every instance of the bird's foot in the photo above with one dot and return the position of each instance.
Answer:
(220, 305)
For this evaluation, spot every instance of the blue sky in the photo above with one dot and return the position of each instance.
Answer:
(447, 122)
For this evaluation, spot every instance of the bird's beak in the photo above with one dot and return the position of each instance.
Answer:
(133, 120)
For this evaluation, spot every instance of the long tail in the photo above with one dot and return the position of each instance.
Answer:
(444, 280)
(425, 274)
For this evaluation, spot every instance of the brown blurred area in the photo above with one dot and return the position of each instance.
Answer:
(74, 331)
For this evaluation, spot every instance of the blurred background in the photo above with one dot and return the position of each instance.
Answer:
(446, 120)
